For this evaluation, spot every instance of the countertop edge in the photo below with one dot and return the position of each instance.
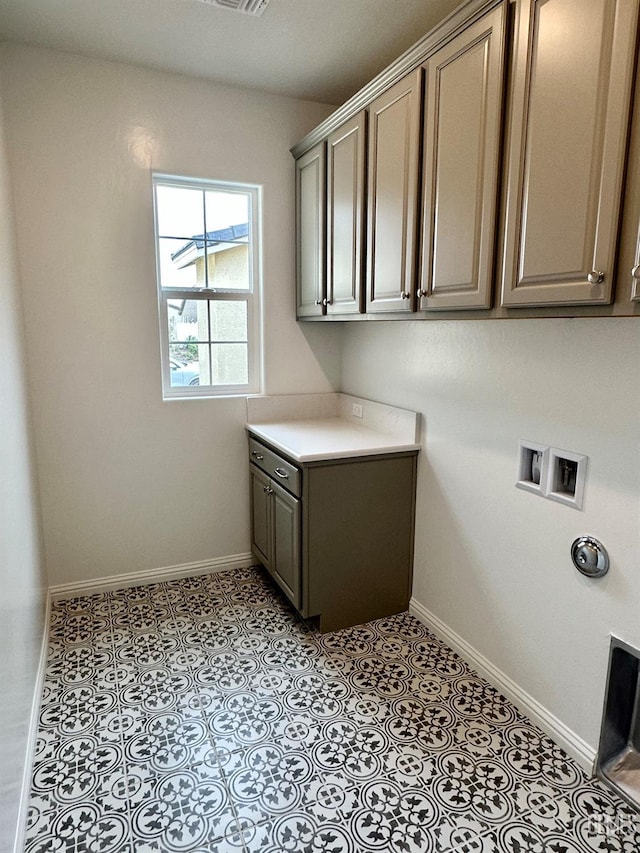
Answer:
(386, 447)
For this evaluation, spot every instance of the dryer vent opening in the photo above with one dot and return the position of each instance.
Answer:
(618, 761)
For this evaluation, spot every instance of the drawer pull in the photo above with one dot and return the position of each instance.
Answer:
(257, 455)
(267, 490)
(280, 472)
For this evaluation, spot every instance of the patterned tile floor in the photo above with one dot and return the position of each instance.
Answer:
(203, 715)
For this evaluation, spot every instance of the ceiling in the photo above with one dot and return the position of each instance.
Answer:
(321, 50)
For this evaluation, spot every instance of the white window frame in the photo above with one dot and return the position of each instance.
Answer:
(251, 296)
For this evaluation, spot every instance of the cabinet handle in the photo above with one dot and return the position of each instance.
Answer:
(318, 301)
(635, 272)
(405, 295)
(280, 472)
(267, 490)
(421, 293)
(257, 455)
(595, 277)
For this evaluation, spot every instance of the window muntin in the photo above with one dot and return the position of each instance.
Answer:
(207, 254)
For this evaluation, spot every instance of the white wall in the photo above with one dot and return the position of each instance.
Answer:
(22, 575)
(129, 482)
(492, 561)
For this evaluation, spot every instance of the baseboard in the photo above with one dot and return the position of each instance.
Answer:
(149, 576)
(572, 744)
(32, 736)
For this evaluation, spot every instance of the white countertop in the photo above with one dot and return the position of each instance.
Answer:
(335, 434)
(326, 438)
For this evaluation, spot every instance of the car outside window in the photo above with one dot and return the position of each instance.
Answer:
(207, 259)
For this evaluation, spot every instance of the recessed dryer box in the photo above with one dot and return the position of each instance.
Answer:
(618, 761)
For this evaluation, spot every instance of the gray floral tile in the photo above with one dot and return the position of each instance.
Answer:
(167, 742)
(408, 764)
(355, 751)
(204, 715)
(182, 811)
(298, 833)
(244, 719)
(317, 696)
(269, 780)
(157, 689)
(79, 770)
(462, 834)
(84, 827)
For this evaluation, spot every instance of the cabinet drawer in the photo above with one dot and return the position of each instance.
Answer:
(275, 466)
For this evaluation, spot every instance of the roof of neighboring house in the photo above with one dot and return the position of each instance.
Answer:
(232, 234)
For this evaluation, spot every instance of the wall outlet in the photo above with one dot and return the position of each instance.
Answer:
(356, 410)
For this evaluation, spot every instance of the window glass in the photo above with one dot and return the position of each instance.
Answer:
(228, 321)
(207, 263)
(179, 211)
(229, 364)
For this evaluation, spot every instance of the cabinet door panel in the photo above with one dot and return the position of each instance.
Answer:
(310, 231)
(394, 151)
(261, 531)
(635, 272)
(345, 216)
(568, 131)
(286, 553)
(462, 132)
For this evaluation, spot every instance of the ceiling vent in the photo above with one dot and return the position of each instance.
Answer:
(247, 7)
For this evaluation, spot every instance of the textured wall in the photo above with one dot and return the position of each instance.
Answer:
(492, 561)
(21, 567)
(129, 482)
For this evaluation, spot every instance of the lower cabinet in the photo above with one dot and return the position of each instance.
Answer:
(336, 535)
(275, 532)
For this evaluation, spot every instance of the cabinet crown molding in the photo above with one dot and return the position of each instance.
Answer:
(411, 59)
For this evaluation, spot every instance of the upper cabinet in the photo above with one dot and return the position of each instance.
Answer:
(635, 273)
(310, 231)
(464, 84)
(346, 152)
(394, 151)
(569, 111)
(482, 172)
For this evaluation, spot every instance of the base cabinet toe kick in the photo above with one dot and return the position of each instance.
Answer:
(335, 535)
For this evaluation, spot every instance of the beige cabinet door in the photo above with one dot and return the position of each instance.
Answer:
(631, 272)
(464, 87)
(345, 216)
(310, 232)
(261, 521)
(569, 113)
(392, 195)
(286, 543)
(635, 273)
(628, 264)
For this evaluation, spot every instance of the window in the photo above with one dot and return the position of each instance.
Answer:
(207, 256)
